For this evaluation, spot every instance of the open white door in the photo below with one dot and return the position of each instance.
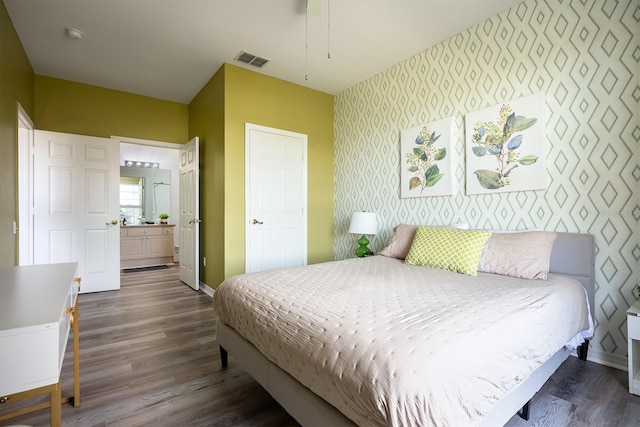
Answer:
(189, 214)
(276, 198)
(25, 187)
(76, 206)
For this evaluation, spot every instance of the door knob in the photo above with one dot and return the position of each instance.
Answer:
(112, 222)
(255, 221)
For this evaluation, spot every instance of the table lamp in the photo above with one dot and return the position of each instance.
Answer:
(363, 223)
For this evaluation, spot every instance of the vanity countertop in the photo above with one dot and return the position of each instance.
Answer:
(148, 225)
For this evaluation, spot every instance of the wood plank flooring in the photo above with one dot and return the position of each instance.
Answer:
(148, 357)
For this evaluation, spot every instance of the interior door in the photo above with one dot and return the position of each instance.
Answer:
(25, 186)
(276, 198)
(76, 206)
(189, 214)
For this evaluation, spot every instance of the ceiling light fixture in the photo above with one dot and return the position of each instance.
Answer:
(141, 164)
(74, 34)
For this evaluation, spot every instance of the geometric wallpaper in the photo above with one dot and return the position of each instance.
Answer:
(585, 57)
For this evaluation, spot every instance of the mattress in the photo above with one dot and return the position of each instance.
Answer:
(392, 344)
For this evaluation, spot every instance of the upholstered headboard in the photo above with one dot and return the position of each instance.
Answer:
(573, 255)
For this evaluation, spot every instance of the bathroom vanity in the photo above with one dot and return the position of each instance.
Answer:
(146, 245)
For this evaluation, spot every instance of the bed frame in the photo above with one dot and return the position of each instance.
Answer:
(572, 255)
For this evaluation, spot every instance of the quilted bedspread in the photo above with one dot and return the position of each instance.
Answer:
(390, 344)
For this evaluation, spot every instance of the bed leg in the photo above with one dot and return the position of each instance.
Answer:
(583, 349)
(524, 412)
(223, 357)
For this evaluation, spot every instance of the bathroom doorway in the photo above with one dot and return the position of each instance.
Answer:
(150, 185)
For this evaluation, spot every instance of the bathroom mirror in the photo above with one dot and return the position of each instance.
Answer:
(145, 193)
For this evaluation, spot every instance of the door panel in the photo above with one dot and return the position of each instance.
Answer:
(276, 177)
(96, 258)
(60, 190)
(190, 214)
(76, 206)
(97, 192)
(60, 246)
(60, 149)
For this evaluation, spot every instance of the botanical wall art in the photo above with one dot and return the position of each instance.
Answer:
(426, 163)
(506, 147)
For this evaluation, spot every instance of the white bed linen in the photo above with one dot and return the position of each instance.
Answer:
(392, 344)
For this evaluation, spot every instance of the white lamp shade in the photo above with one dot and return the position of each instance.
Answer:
(363, 223)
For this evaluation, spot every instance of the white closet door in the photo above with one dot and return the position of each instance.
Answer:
(276, 198)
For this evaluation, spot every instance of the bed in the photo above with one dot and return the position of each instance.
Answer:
(375, 341)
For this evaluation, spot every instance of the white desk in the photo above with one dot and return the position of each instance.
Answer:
(38, 307)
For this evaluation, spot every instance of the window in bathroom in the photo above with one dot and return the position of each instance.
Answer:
(131, 196)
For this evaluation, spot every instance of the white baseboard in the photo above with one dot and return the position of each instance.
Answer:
(607, 359)
(206, 289)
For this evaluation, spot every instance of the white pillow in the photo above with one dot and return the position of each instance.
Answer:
(522, 254)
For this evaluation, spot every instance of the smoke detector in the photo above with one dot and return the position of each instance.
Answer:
(251, 59)
(74, 33)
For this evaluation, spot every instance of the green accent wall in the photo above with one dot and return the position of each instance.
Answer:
(16, 86)
(206, 121)
(250, 97)
(70, 107)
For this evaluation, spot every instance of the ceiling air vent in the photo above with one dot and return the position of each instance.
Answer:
(250, 59)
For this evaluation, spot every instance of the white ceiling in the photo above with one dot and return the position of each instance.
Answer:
(169, 49)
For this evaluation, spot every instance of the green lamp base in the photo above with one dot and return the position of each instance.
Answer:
(363, 250)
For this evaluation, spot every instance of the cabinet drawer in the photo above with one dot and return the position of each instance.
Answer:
(144, 231)
(29, 358)
(633, 327)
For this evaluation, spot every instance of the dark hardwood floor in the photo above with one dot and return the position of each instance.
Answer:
(148, 357)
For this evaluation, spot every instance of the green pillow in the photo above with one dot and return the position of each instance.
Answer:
(448, 249)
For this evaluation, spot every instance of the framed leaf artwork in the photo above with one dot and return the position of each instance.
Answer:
(426, 161)
(506, 147)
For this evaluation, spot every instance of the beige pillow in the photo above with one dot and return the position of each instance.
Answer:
(402, 238)
(526, 254)
(400, 241)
